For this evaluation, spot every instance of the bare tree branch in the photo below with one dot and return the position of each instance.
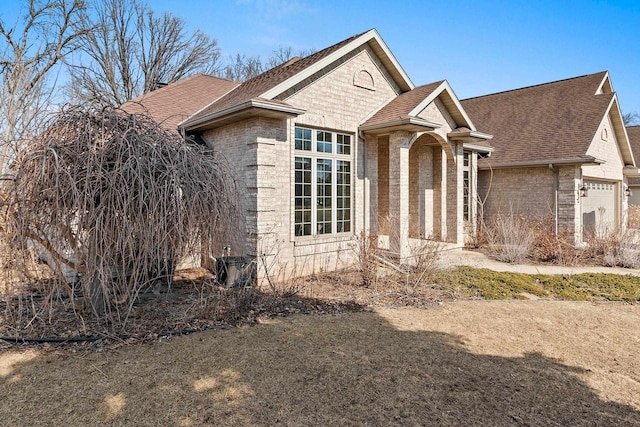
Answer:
(46, 33)
(132, 50)
(241, 67)
(631, 119)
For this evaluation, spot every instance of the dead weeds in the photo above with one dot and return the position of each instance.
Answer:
(193, 302)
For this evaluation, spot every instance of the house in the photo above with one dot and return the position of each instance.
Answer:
(634, 180)
(341, 144)
(336, 144)
(561, 152)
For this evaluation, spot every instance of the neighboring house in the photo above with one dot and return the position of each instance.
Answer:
(634, 181)
(561, 152)
(337, 144)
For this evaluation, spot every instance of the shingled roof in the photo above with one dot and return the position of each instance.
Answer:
(542, 123)
(634, 140)
(253, 88)
(171, 104)
(401, 106)
(266, 88)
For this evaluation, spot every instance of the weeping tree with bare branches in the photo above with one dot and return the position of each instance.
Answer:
(132, 50)
(118, 200)
(30, 50)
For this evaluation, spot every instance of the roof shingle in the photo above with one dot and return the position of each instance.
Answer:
(256, 86)
(175, 102)
(550, 121)
(401, 106)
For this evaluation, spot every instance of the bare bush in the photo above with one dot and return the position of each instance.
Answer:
(633, 217)
(622, 249)
(117, 201)
(282, 279)
(382, 270)
(549, 246)
(509, 238)
(366, 263)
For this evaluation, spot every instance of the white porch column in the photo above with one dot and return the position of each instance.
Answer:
(371, 186)
(399, 193)
(440, 193)
(455, 195)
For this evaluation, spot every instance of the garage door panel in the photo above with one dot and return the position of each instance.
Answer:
(599, 207)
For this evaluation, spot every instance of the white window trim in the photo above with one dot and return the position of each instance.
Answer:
(314, 155)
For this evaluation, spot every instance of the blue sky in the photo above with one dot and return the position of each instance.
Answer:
(479, 46)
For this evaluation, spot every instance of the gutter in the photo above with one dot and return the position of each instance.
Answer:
(541, 163)
(480, 148)
(239, 108)
(469, 134)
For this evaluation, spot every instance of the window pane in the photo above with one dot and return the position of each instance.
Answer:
(343, 208)
(343, 144)
(323, 185)
(302, 206)
(303, 139)
(466, 182)
(324, 140)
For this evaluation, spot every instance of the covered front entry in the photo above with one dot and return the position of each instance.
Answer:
(415, 190)
(414, 169)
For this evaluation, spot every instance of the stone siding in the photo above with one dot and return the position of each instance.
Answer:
(262, 154)
(528, 192)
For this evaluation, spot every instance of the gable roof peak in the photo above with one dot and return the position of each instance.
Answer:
(275, 81)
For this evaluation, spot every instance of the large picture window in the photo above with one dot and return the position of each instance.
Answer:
(322, 200)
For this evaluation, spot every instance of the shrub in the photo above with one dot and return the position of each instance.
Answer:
(633, 217)
(116, 200)
(549, 246)
(509, 238)
(623, 250)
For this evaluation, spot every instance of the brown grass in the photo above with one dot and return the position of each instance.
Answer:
(468, 363)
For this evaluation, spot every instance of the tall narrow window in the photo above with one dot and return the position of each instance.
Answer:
(322, 182)
(343, 204)
(303, 196)
(324, 205)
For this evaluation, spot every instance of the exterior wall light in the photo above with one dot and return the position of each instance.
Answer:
(584, 191)
(627, 191)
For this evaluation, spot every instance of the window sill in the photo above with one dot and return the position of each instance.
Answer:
(318, 240)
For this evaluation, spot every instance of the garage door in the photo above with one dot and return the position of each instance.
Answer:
(599, 207)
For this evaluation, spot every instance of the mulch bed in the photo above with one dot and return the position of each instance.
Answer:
(193, 302)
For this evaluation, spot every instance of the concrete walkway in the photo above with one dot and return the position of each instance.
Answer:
(456, 257)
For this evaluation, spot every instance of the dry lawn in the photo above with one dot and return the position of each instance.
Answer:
(536, 363)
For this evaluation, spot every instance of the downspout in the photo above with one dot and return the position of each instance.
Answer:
(556, 185)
